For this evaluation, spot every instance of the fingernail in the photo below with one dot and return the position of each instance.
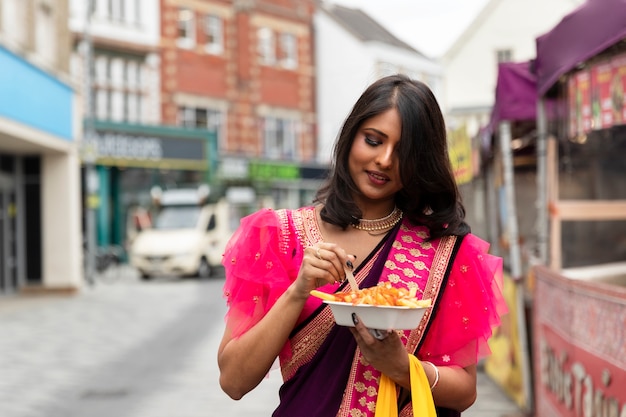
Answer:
(355, 320)
(350, 265)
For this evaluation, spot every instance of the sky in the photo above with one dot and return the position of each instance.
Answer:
(430, 26)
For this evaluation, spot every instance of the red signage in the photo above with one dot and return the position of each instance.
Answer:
(601, 106)
(597, 96)
(618, 89)
(580, 354)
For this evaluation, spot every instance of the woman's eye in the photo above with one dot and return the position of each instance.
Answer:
(372, 141)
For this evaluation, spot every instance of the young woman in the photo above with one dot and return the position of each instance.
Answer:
(392, 211)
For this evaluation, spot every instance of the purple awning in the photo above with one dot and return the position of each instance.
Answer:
(582, 34)
(516, 93)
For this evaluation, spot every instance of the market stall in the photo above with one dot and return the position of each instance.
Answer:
(579, 301)
(510, 138)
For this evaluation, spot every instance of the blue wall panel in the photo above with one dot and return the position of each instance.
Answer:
(33, 97)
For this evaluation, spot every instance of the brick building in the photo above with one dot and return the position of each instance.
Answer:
(246, 70)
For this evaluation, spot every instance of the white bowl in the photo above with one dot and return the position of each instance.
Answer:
(377, 317)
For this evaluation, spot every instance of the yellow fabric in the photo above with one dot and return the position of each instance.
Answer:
(421, 397)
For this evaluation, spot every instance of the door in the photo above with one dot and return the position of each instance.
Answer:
(8, 234)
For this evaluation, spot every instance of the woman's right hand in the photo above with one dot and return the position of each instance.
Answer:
(322, 264)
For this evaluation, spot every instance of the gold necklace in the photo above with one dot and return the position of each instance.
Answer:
(376, 227)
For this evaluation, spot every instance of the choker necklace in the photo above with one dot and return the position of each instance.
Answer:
(376, 227)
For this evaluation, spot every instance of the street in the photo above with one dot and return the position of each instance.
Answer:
(133, 349)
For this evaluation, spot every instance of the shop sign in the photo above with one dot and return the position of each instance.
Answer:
(579, 87)
(580, 354)
(601, 106)
(126, 149)
(597, 96)
(265, 171)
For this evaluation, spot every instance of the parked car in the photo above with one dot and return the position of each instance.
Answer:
(186, 238)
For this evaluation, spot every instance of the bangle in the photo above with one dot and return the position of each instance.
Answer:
(436, 381)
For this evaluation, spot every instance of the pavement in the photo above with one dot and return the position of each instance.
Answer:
(136, 349)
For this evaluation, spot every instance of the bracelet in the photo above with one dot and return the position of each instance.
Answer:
(436, 381)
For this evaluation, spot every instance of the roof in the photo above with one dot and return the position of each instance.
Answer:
(363, 27)
(582, 34)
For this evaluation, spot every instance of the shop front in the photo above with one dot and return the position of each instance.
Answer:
(40, 215)
(277, 184)
(122, 162)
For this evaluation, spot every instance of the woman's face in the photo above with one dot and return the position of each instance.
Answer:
(373, 160)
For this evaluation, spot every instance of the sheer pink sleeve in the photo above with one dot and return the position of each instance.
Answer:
(470, 308)
(258, 269)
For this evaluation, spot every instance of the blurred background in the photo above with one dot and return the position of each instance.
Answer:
(135, 134)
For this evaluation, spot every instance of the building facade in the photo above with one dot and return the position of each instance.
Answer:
(40, 233)
(352, 50)
(126, 149)
(245, 70)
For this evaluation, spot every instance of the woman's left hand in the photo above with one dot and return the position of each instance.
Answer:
(385, 352)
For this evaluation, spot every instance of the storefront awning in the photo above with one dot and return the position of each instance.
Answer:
(582, 34)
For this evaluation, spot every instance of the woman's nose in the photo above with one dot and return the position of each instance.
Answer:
(385, 158)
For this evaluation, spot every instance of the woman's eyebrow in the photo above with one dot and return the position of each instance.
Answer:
(376, 131)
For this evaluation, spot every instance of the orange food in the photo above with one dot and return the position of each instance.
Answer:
(384, 294)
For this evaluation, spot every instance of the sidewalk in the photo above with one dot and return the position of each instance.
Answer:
(492, 401)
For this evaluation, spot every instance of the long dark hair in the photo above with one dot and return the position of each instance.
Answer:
(430, 195)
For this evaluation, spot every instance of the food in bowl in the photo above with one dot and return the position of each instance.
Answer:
(383, 294)
(381, 307)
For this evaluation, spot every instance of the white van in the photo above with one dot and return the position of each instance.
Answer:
(187, 237)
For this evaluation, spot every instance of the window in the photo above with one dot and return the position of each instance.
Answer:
(116, 10)
(14, 14)
(186, 28)
(266, 46)
(203, 118)
(118, 88)
(279, 138)
(214, 34)
(504, 55)
(288, 50)
(45, 33)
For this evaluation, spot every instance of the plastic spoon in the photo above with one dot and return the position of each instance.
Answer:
(351, 280)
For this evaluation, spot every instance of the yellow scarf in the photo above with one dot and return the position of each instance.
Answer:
(421, 397)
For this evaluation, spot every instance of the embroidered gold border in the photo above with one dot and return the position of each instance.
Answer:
(432, 291)
(433, 286)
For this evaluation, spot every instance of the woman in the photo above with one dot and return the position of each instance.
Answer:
(392, 211)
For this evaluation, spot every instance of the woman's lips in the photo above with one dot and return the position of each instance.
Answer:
(377, 178)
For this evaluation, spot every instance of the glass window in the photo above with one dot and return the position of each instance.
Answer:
(116, 10)
(204, 118)
(504, 55)
(117, 69)
(117, 106)
(214, 34)
(132, 104)
(102, 104)
(289, 50)
(266, 46)
(186, 28)
(45, 33)
(13, 17)
(101, 70)
(279, 138)
(587, 243)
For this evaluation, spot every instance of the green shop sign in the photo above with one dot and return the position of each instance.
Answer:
(273, 171)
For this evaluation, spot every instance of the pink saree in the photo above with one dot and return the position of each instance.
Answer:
(323, 371)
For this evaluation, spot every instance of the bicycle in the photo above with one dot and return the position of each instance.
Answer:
(107, 261)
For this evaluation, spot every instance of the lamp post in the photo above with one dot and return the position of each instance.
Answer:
(89, 148)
